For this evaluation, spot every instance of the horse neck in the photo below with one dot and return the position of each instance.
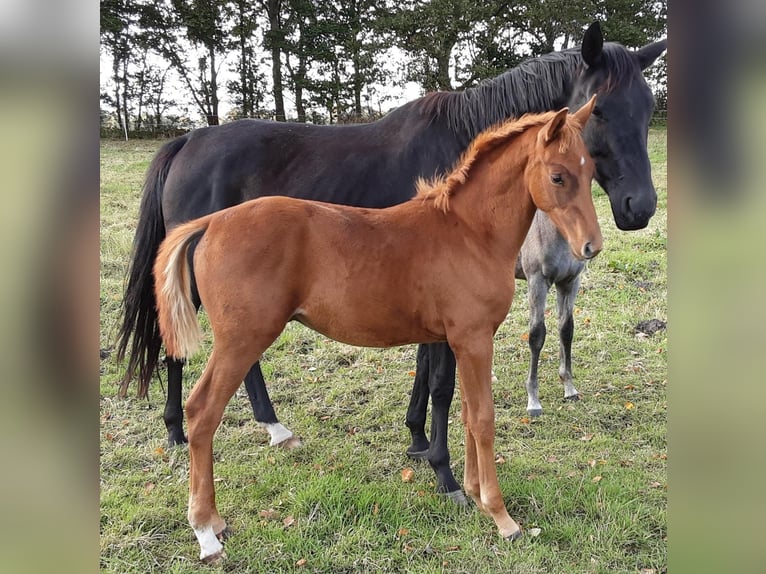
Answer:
(538, 85)
(495, 202)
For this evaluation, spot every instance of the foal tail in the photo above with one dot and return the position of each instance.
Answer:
(176, 313)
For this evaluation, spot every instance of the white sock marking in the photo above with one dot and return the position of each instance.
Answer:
(278, 432)
(208, 542)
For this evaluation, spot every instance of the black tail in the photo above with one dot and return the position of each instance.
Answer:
(139, 327)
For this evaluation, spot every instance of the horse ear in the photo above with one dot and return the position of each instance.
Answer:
(551, 129)
(592, 44)
(584, 112)
(648, 54)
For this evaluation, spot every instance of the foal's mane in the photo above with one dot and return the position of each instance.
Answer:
(441, 187)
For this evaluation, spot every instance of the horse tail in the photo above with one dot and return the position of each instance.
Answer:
(176, 312)
(139, 327)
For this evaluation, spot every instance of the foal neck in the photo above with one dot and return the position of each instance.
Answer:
(495, 201)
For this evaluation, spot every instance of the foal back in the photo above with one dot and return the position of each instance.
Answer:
(297, 260)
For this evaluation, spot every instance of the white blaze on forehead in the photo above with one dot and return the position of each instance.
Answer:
(582, 160)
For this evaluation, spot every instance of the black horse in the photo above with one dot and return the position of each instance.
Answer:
(216, 167)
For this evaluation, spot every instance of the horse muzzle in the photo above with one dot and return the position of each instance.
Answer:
(590, 249)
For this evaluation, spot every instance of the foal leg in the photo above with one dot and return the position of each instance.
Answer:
(174, 415)
(474, 361)
(263, 410)
(228, 364)
(566, 291)
(441, 384)
(416, 412)
(538, 293)
(204, 409)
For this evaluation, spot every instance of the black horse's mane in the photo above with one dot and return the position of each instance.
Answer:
(534, 86)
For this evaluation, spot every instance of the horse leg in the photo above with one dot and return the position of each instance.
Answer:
(566, 291)
(474, 361)
(538, 293)
(441, 384)
(471, 470)
(263, 409)
(174, 415)
(204, 409)
(416, 412)
(228, 364)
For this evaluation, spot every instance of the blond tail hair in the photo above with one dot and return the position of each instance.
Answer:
(176, 314)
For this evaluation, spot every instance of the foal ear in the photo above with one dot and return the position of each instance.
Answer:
(551, 130)
(584, 112)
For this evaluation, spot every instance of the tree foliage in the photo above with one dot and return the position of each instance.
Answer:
(330, 60)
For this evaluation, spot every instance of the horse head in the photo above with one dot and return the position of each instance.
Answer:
(559, 179)
(616, 134)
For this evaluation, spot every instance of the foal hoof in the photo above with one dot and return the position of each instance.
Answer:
(534, 413)
(224, 534)
(573, 398)
(290, 443)
(457, 497)
(515, 536)
(214, 559)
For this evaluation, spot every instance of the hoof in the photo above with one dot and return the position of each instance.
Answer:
(417, 454)
(457, 497)
(214, 559)
(177, 439)
(573, 398)
(534, 413)
(224, 534)
(290, 443)
(515, 536)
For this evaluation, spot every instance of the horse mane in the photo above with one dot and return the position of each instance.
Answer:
(440, 188)
(534, 86)
(621, 65)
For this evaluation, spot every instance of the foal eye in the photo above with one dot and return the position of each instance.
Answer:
(556, 179)
(597, 112)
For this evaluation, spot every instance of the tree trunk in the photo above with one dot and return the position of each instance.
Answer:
(357, 85)
(442, 71)
(212, 118)
(300, 108)
(275, 29)
(117, 98)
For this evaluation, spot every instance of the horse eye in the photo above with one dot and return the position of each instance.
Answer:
(556, 179)
(597, 112)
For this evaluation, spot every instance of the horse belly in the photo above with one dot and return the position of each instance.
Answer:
(361, 318)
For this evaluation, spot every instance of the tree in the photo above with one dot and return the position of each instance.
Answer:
(182, 26)
(116, 20)
(248, 91)
(300, 48)
(429, 31)
(274, 41)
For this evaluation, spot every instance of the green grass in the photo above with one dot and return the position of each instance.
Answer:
(590, 475)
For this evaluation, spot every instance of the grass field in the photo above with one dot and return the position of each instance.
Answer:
(587, 480)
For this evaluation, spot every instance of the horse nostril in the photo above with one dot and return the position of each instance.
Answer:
(587, 251)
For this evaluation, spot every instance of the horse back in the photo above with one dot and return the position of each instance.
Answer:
(368, 165)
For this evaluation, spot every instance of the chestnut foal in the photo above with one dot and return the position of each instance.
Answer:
(437, 268)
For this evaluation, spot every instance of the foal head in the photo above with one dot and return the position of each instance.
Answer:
(559, 176)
